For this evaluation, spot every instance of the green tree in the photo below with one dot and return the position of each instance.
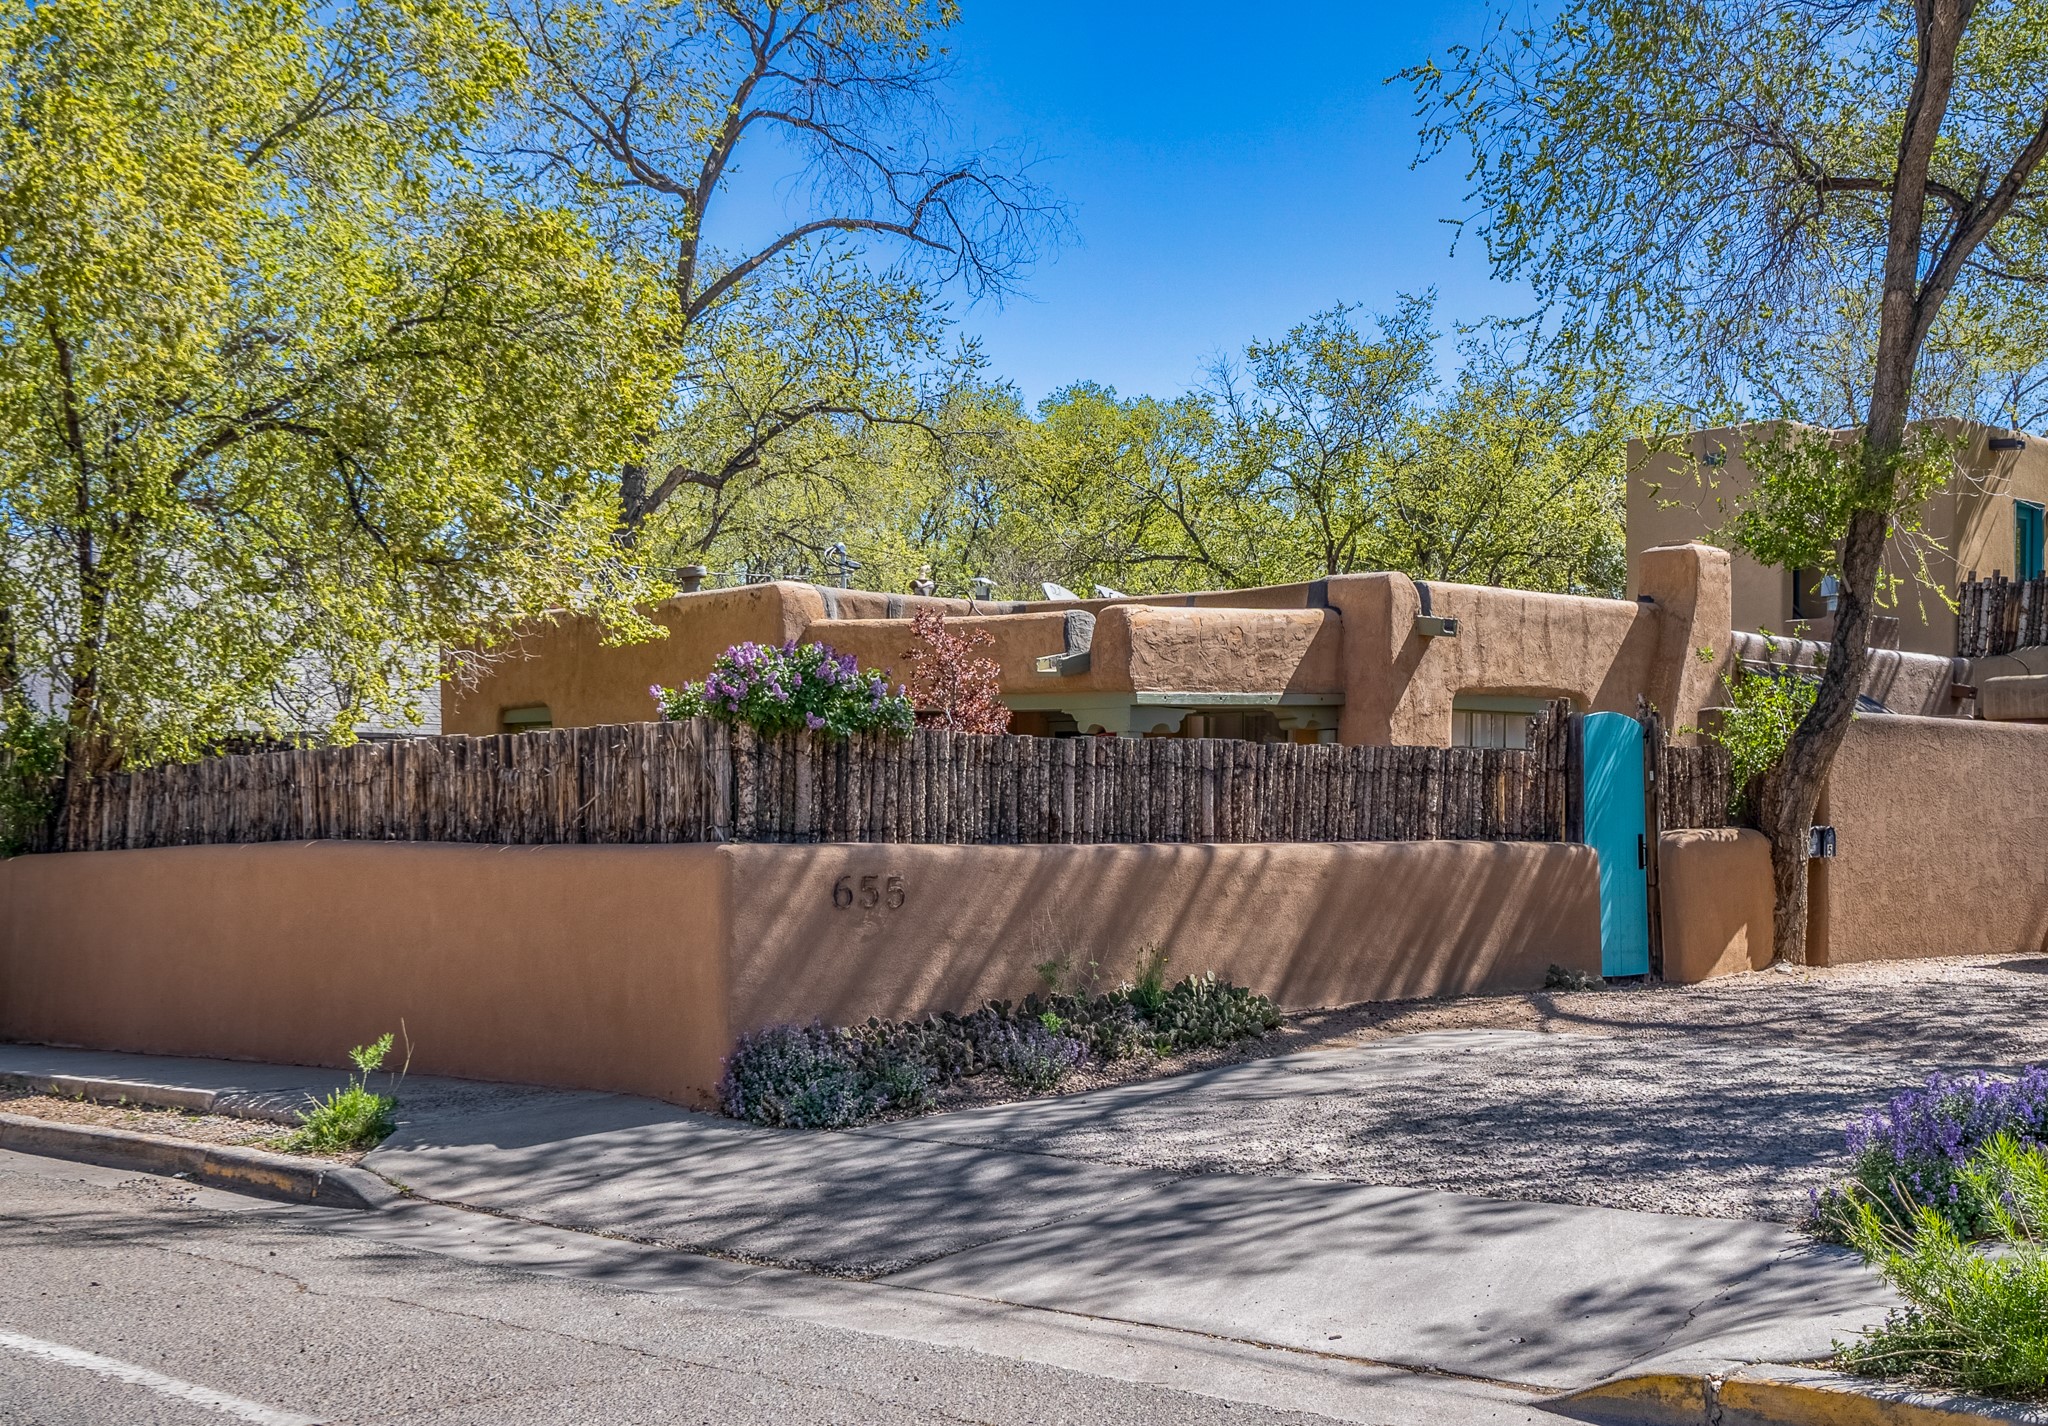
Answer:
(1516, 476)
(786, 349)
(1334, 449)
(1699, 177)
(287, 402)
(1312, 428)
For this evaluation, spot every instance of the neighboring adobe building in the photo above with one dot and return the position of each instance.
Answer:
(1989, 519)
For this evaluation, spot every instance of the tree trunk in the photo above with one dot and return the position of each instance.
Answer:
(632, 502)
(1792, 790)
(1905, 313)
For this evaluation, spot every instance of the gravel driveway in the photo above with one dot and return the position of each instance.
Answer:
(1726, 1100)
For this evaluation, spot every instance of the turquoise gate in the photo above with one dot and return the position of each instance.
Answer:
(1616, 828)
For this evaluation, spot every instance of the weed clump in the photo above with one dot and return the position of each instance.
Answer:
(353, 1117)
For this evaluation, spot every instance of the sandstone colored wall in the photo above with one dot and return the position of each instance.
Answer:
(1674, 496)
(1942, 828)
(588, 967)
(1400, 687)
(1714, 887)
(631, 968)
(567, 666)
(1218, 650)
(1308, 924)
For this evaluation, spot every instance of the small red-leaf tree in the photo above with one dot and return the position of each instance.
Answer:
(952, 686)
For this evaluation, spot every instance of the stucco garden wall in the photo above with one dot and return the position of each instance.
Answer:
(631, 968)
(590, 967)
(567, 667)
(1942, 840)
(1400, 687)
(1347, 638)
(1714, 887)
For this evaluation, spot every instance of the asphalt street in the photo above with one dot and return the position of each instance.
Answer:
(138, 1300)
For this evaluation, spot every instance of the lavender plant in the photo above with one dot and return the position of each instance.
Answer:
(1034, 1056)
(781, 689)
(1968, 1319)
(813, 1076)
(1912, 1153)
(816, 1077)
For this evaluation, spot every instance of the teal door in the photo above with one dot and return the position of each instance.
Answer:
(2030, 532)
(1614, 829)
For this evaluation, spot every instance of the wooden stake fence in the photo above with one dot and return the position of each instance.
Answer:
(1998, 615)
(634, 782)
(700, 782)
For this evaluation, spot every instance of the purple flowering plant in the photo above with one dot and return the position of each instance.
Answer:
(1913, 1151)
(780, 689)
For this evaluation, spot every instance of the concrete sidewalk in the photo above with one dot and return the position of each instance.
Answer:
(1539, 1294)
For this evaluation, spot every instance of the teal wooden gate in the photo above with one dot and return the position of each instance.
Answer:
(1615, 829)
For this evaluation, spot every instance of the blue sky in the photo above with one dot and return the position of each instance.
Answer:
(1232, 169)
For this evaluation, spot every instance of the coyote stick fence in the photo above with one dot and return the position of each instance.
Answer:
(1998, 615)
(700, 781)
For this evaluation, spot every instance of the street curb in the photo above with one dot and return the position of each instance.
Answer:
(145, 1095)
(1779, 1396)
(239, 1170)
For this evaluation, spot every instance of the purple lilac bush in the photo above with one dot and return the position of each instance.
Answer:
(781, 689)
(1912, 1152)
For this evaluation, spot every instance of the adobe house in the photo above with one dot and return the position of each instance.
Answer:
(1988, 518)
(1358, 658)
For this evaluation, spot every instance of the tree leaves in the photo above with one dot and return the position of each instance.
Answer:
(289, 401)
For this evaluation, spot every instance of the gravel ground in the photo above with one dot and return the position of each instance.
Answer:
(1725, 1100)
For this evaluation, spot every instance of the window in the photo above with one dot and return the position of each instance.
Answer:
(1492, 721)
(2027, 539)
(1813, 594)
(1477, 728)
(526, 720)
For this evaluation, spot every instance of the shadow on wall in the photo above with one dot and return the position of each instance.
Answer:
(1308, 924)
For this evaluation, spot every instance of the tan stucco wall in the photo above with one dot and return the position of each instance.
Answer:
(1308, 924)
(1916, 684)
(1942, 830)
(1017, 642)
(1602, 654)
(567, 666)
(1714, 887)
(1348, 638)
(629, 968)
(1968, 525)
(1218, 650)
(590, 967)
(2022, 699)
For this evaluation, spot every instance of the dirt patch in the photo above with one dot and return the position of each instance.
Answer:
(171, 1123)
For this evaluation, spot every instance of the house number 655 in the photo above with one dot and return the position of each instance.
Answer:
(871, 891)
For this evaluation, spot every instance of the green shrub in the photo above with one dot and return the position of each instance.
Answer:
(1034, 1057)
(350, 1118)
(821, 1077)
(31, 775)
(1975, 1317)
(1756, 727)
